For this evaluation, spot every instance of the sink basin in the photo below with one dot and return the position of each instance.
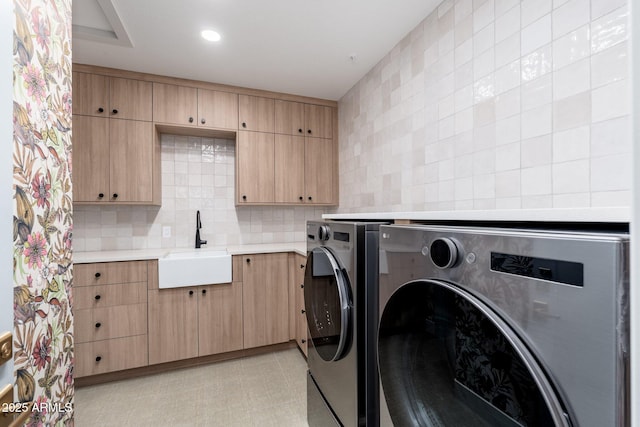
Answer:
(191, 268)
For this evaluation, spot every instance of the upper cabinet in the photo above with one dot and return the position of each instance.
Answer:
(182, 105)
(256, 113)
(116, 154)
(317, 121)
(113, 97)
(296, 118)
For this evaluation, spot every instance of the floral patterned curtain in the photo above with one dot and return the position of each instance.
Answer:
(42, 221)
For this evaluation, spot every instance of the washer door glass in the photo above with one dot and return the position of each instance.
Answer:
(327, 300)
(446, 359)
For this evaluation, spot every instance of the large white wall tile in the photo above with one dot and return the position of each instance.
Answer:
(536, 34)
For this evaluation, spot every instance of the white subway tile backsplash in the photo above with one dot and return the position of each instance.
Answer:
(609, 65)
(610, 101)
(536, 35)
(514, 104)
(572, 79)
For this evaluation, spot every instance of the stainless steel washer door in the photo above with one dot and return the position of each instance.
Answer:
(328, 304)
(446, 359)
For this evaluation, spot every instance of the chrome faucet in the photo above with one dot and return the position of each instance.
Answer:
(198, 227)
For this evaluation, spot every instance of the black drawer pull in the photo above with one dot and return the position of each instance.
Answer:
(302, 311)
(204, 291)
(303, 341)
(100, 110)
(301, 286)
(203, 121)
(244, 124)
(97, 297)
(300, 130)
(115, 111)
(100, 195)
(99, 358)
(97, 275)
(190, 119)
(98, 324)
(115, 195)
(190, 292)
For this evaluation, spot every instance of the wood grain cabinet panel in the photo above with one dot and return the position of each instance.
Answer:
(217, 109)
(110, 322)
(255, 167)
(109, 295)
(219, 318)
(91, 159)
(130, 99)
(289, 169)
(256, 113)
(173, 324)
(175, 104)
(289, 118)
(318, 121)
(131, 156)
(319, 170)
(100, 357)
(301, 334)
(104, 273)
(90, 96)
(265, 295)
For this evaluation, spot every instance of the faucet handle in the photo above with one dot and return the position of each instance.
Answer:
(203, 242)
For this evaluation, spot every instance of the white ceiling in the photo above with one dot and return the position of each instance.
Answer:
(302, 47)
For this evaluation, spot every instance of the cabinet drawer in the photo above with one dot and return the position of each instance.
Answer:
(110, 355)
(109, 295)
(96, 324)
(104, 273)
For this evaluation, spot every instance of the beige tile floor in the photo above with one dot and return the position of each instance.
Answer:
(265, 390)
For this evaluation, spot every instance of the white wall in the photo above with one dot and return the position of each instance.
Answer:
(6, 201)
(494, 104)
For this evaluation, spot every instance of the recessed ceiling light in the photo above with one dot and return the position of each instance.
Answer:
(210, 35)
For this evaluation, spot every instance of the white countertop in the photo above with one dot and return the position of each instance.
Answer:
(145, 254)
(596, 215)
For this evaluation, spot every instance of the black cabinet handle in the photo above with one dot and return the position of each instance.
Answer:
(244, 124)
(100, 195)
(204, 291)
(97, 297)
(300, 130)
(99, 358)
(115, 111)
(244, 197)
(248, 260)
(100, 110)
(302, 311)
(115, 195)
(301, 286)
(309, 131)
(203, 121)
(310, 198)
(98, 324)
(301, 265)
(303, 341)
(190, 292)
(301, 198)
(190, 119)
(97, 275)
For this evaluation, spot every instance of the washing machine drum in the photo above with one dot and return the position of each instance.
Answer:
(328, 304)
(446, 359)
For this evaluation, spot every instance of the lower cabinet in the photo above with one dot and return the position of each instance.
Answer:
(265, 294)
(300, 321)
(195, 321)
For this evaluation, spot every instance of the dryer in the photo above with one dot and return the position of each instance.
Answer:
(341, 308)
(503, 327)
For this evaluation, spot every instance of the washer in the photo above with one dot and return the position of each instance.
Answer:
(341, 307)
(503, 327)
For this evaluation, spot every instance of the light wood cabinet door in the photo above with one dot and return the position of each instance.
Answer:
(90, 95)
(110, 322)
(131, 156)
(173, 324)
(130, 99)
(255, 167)
(99, 357)
(256, 113)
(319, 170)
(300, 315)
(105, 273)
(289, 118)
(175, 104)
(318, 121)
(220, 318)
(217, 109)
(90, 159)
(109, 295)
(265, 299)
(289, 169)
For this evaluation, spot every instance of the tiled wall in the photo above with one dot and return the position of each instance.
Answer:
(494, 104)
(197, 174)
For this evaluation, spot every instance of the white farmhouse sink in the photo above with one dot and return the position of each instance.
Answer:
(191, 268)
